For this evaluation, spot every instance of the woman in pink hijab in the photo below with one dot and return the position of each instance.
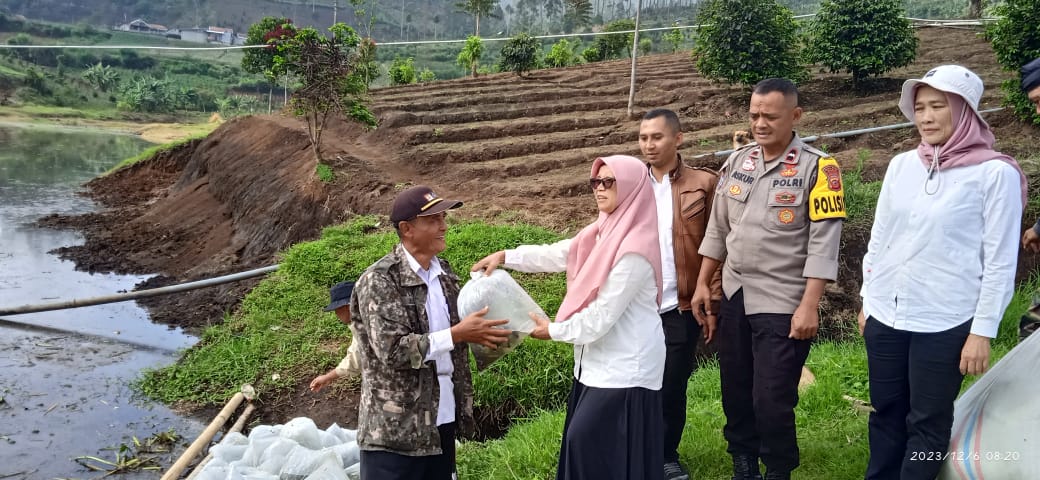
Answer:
(614, 426)
(938, 273)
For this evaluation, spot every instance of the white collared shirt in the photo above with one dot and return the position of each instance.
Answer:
(618, 339)
(940, 257)
(665, 216)
(440, 334)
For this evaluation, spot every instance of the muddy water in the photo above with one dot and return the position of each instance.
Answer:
(64, 375)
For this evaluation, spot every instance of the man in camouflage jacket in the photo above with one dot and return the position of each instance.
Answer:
(416, 390)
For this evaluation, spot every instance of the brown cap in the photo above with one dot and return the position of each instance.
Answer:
(419, 201)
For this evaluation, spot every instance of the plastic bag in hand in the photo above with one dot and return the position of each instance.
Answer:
(506, 300)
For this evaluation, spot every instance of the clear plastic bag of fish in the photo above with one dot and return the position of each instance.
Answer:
(506, 300)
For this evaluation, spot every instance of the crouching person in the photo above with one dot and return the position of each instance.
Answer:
(416, 390)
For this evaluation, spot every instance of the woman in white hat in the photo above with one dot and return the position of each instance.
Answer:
(938, 273)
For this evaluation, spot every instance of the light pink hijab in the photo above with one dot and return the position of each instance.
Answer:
(971, 143)
(630, 228)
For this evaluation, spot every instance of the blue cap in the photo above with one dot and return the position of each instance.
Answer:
(340, 295)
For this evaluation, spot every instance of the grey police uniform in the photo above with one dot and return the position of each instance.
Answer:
(773, 224)
(760, 226)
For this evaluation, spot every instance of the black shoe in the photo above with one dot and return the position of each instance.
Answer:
(745, 467)
(674, 471)
(770, 475)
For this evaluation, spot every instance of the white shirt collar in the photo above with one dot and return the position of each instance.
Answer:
(435, 265)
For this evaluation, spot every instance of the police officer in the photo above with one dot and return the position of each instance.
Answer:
(775, 227)
(416, 390)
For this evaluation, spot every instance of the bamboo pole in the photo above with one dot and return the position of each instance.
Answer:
(237, 427)
(204, 438)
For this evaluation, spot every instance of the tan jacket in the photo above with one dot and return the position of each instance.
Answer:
(760, 225)
(692, 197)
(350, 366)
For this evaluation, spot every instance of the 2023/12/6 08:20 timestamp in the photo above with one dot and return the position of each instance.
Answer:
(960, 456)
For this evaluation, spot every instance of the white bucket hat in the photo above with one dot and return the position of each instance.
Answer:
(953, 79)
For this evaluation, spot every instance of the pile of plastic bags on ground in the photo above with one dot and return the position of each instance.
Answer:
(297, 450)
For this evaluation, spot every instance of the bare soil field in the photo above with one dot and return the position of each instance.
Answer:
(514, 149)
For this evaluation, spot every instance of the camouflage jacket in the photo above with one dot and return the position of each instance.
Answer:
(399, 388)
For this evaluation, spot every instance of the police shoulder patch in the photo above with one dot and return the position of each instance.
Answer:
(827, 197)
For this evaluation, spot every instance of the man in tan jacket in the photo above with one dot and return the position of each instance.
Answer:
(684, 197)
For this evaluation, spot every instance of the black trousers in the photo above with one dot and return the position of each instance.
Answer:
(914, 380)
(681, 332)
(611, 434)
(760, 367)
(380, 465)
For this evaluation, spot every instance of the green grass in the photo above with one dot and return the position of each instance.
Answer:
(860, 197)
(831, 435)
(324, 173)
(152, 151)
(281, 337)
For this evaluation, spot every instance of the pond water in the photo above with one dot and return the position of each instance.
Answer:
(65, 375)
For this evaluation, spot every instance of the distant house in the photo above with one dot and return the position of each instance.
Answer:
(221, 35)
(142, 26)
(197, 35)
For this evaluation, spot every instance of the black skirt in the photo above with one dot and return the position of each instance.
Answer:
(612, 433)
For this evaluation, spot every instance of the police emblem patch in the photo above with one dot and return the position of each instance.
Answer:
(786, 216)
(734, 190)
(749, 164)
(833, 174)
(788, 171)
(786, 198)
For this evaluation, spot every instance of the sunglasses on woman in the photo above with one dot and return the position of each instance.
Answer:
(607, 182)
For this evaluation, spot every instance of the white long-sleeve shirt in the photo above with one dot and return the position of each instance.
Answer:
(665, 216)
(943, 252)
(618, 339)
(440, 334)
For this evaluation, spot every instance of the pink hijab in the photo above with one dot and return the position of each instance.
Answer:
(631, 228)
(971, 143)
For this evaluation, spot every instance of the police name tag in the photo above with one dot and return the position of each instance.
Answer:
(827, 197)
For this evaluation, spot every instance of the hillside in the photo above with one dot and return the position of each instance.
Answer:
(512, 148)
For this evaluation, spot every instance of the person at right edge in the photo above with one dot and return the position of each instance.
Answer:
(1030, 78)
(938, 273)
(775, 227)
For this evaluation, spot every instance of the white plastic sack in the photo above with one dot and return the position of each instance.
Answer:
(231, 448)
(303, 431)
(258, 444)
(215, 469)
(506, 300)
(272, 459)
(344, 435)
(996, 425)
(302, 461)
(354, 471)
(348, 453)
(329, 469)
